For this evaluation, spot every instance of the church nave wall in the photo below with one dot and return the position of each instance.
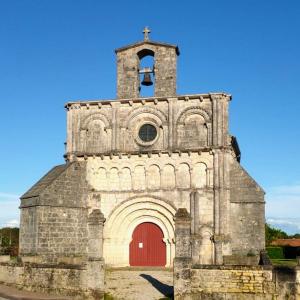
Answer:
(143, 172)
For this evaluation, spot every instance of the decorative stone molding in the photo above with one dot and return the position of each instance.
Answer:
(145, 110)
(95, 116)
(198, 110)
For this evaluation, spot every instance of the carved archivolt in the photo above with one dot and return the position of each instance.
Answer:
(96, 116)
(146, 110)
(193, 110)
(126, 216)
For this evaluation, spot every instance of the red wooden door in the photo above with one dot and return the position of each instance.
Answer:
(147, 247)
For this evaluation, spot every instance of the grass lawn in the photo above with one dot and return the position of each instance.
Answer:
(284, 262)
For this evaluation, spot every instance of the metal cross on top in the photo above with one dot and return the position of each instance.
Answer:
(146, 32)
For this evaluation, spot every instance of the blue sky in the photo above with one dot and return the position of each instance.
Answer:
(55, 51)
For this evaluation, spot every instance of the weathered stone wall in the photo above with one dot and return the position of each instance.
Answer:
(28, 230)
(247, 208)
(128, 66)
(232, 280)
(62, 232)
(111, 165)
(54, 215)
(147, 188)
(75, 280)
(237, 282)
(182, 123)
(211, 281)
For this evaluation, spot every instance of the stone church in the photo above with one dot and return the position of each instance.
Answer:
(131, 163)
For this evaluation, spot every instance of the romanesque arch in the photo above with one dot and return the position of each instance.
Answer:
(126, 216)
(193, 127)
(95, 133)
(206, 251)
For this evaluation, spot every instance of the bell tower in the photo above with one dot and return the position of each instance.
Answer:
(162, 73)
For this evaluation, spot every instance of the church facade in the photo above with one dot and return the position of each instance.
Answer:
(131, 163)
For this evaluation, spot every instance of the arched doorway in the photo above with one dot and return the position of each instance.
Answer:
(123, 220)
(147, 247)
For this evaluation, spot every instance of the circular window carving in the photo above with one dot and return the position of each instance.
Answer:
(147, 133)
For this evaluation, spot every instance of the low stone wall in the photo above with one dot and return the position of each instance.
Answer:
(81, 281)
(236, 282)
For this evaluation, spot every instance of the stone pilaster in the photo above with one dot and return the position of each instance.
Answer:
(183, 254)
(95, 264)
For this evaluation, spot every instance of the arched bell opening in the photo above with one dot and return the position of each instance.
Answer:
(146, 72)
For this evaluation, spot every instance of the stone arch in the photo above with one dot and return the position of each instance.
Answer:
(146, 62)
(95, 133)
(168, 180)
(97, 177)
(126, 216)
(125, 179)
(113, 179)
(139, 178)
(199, 175)
(159, 115)
(145, 52)
(95, 116)
(193, 127)
(194, 110)
(206, 251)
(153, 177)
(183, 176)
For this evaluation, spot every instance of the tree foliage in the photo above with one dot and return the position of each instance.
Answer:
(9, 241)
(274, 234)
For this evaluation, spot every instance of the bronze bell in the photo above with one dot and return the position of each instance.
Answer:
(147, 79)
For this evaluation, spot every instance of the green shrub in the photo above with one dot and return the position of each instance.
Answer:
(275, 252)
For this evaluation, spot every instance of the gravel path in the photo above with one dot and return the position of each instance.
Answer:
(136, 284)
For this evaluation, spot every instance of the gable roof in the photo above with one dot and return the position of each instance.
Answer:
(45, 181)
(148, 43)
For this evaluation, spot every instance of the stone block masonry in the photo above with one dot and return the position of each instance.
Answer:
(237, 282)
(230, 282)
(68, 280)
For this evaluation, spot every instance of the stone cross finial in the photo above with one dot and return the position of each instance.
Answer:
(146, 32)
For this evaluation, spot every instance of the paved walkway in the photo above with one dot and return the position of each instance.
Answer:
(15, 294)
(136, 284)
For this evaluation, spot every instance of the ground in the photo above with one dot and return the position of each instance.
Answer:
(123, 283)
(13, 293)
(132, 284)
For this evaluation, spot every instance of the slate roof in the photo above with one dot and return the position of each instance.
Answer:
(45, 181)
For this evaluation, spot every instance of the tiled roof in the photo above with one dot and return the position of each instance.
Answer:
(286, 242)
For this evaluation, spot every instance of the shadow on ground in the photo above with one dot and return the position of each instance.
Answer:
(165, 289)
